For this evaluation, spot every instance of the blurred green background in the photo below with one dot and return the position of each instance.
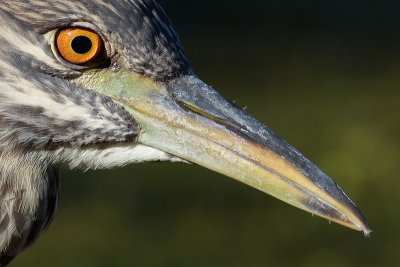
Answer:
(325, 75)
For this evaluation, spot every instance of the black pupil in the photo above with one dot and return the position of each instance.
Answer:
(81, 44)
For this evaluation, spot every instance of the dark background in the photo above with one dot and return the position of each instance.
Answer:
(322, 74)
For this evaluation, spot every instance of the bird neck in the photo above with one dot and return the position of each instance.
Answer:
(28, 197)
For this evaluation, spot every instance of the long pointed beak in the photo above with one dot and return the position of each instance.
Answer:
(190, 120)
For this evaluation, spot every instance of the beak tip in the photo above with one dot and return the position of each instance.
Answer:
(364, 227)
(359, 223)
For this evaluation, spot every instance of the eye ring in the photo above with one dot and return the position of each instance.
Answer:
(79, 45)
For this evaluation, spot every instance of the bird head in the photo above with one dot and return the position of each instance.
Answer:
(101, 83)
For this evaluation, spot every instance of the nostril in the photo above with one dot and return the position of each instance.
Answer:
(189, 107)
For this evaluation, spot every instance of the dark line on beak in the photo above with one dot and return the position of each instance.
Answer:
(188, 107)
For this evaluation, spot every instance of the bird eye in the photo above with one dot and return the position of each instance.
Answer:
(79, 45)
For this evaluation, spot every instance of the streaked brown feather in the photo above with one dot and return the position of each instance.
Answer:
(27, 203)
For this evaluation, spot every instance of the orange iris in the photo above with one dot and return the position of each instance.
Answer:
(79, 45)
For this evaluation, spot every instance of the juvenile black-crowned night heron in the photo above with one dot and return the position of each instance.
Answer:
(103, 83)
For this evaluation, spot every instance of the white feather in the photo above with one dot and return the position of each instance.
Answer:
(97, 157)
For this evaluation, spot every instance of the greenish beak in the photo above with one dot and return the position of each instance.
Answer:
(190, 120)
